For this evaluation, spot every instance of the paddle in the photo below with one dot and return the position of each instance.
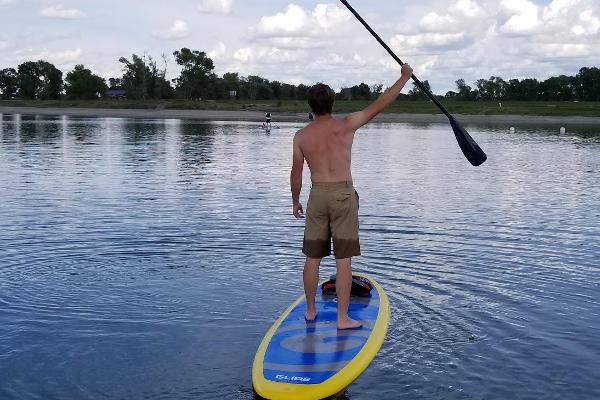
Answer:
(470, 149)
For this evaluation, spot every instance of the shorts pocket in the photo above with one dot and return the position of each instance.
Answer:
(344, 196)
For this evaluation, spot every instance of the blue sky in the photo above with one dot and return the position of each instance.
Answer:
(310, 41)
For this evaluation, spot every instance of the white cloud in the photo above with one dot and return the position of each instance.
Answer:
(265, 55)
(291, 22)
(215, 6)
(460, 14)
(5, 2)
(414, 44)
(433, 22)
(523, 16)
(219, 52)
(559, 8)
(244, 55)
(554, 22)
(63, 59)
(178, 30)
(295, 21)
(60, 12)
(556, 50)
(588, 24)
(329, 16)
(3, 45)
(466, 8)
(297, 43)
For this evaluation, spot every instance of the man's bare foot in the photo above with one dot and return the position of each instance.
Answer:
(310, 316)
(348, 323)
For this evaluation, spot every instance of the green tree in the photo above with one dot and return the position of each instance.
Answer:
(344, 94)
(514, 90)
(51, 81)
(288, 91)
(302, 92)
(559, 88)
(81, 84)
(277, 90)
(230, 82)
(115, 82)
(197, 74)
(494, 88)
(530, 89)
(257, 88)
(587, 84)
(465, 92)
(361, 92)
(135, 75)
(143, 79)
(28, 79)
(416, 93)
(376, 90)
(39, 80)
(158, 87)
(9, 83)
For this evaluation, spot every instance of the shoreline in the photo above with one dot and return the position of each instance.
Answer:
(256, 116)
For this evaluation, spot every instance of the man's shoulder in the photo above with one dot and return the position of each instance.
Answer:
(299, 135)
(316, 128)
(300, 132)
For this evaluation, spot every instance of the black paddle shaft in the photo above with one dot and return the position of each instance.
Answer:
(469, 147)
(395, 57)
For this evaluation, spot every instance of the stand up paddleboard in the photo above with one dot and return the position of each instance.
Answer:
(301, 360)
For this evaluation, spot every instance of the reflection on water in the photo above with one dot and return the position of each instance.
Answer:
(147, 258)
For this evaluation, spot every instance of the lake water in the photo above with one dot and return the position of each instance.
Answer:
(146, 259)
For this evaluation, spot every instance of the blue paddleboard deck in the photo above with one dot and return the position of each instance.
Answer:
(301, 359)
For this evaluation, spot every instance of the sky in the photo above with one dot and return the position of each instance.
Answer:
(312, 41)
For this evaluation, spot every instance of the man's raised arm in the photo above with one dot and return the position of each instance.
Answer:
(360, 118)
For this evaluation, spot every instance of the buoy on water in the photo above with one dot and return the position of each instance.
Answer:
(562, 130)
(512, 129)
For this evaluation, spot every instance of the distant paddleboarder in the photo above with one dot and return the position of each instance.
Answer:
(267, 123)
(332, 211)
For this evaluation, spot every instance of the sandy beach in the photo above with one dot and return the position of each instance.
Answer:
(255, 116)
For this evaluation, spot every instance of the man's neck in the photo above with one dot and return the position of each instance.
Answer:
(323, 117)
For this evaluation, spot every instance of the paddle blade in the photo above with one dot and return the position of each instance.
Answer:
(470, 149)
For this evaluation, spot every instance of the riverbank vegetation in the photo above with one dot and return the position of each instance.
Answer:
(542, 108)
(144, 84)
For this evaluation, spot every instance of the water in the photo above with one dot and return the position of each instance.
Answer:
(146, 258)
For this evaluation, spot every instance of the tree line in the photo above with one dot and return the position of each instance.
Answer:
(144, 78)
(585, 86)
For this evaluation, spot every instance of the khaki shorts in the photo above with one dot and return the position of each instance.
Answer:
(332, 212)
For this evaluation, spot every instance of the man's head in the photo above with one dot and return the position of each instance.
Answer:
(320, 99)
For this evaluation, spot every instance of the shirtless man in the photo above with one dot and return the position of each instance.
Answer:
(332, 211)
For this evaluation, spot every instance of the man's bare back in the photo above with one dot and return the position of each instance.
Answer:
(327, 148)
(326, 144)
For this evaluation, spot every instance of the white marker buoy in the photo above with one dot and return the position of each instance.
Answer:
(562, 130)
(512, 129)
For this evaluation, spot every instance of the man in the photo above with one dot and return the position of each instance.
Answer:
(267, 124)
(332, 211)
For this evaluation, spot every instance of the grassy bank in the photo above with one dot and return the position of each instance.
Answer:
(585, 109)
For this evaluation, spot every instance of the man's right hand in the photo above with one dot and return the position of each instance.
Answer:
(298, 211)
(406, 71)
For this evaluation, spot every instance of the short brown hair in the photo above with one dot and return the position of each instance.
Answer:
(320, 99)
